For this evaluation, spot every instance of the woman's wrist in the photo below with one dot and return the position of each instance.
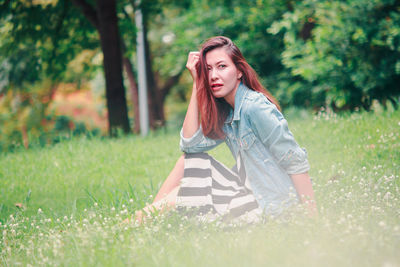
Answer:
(194, 89)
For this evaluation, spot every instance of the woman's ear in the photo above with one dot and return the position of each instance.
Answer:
(240, 76)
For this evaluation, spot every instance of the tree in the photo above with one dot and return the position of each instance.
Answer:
(37, 48)
(31, 61)
(158, 86)
(104, 18)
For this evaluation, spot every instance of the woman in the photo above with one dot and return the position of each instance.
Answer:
(272, 170)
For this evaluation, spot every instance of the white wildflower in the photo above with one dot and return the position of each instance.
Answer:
(387, 196)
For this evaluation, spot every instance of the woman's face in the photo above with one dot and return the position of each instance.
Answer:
(223, 76)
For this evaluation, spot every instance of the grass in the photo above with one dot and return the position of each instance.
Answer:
(73, 196)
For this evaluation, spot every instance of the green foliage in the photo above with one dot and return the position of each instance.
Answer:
(42, 43)
(39, 39)
(345, 53)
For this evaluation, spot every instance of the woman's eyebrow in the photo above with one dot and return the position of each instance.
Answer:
(221, 61)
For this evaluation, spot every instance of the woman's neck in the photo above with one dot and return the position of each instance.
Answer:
(230, 98)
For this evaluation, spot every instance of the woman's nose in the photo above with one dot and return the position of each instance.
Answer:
(213, 75)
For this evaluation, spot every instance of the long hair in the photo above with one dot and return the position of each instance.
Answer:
(214, 111)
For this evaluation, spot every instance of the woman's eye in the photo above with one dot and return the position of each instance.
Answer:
(222, 66)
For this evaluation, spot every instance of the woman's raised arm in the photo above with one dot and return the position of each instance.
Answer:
(191, 123)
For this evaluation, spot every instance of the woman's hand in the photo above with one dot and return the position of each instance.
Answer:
(304, 189)
(191, 63)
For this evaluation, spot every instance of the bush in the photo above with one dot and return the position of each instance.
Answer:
(344, 53)
(26, 121)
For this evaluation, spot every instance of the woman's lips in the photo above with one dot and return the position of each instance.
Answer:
(216, 86)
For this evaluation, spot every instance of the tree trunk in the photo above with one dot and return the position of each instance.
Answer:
(134, 93)
(112, 62)
(156, 109)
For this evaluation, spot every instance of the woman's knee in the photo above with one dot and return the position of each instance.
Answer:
(196, 155)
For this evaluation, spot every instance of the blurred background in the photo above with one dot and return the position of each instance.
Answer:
(69, 67)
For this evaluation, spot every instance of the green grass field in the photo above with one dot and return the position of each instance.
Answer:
(72, 197)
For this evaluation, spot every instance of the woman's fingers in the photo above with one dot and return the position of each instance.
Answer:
(193, 58)
(194, 53)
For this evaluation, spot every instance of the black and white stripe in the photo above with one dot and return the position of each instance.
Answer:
(209, 186)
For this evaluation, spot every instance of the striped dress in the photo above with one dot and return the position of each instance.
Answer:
(212, 190)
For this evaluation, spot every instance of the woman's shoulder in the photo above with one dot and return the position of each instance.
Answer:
(254, 101)
(257, 107)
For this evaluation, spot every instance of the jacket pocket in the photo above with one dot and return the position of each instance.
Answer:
(247, 140)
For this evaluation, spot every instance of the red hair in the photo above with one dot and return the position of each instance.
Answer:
(214, 111)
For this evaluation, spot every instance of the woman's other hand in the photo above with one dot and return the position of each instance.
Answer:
(191, 63)
(303, 185)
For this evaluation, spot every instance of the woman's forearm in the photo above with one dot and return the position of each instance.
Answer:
(191, 123)
(304, 189)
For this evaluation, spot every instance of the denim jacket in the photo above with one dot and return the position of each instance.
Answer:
(258, 131)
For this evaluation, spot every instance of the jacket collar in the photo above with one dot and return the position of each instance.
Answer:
(241, 93)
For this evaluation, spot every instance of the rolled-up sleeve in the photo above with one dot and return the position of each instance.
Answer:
(198, 142)
(272, 129)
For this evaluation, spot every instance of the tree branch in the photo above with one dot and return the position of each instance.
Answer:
(169, 84)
